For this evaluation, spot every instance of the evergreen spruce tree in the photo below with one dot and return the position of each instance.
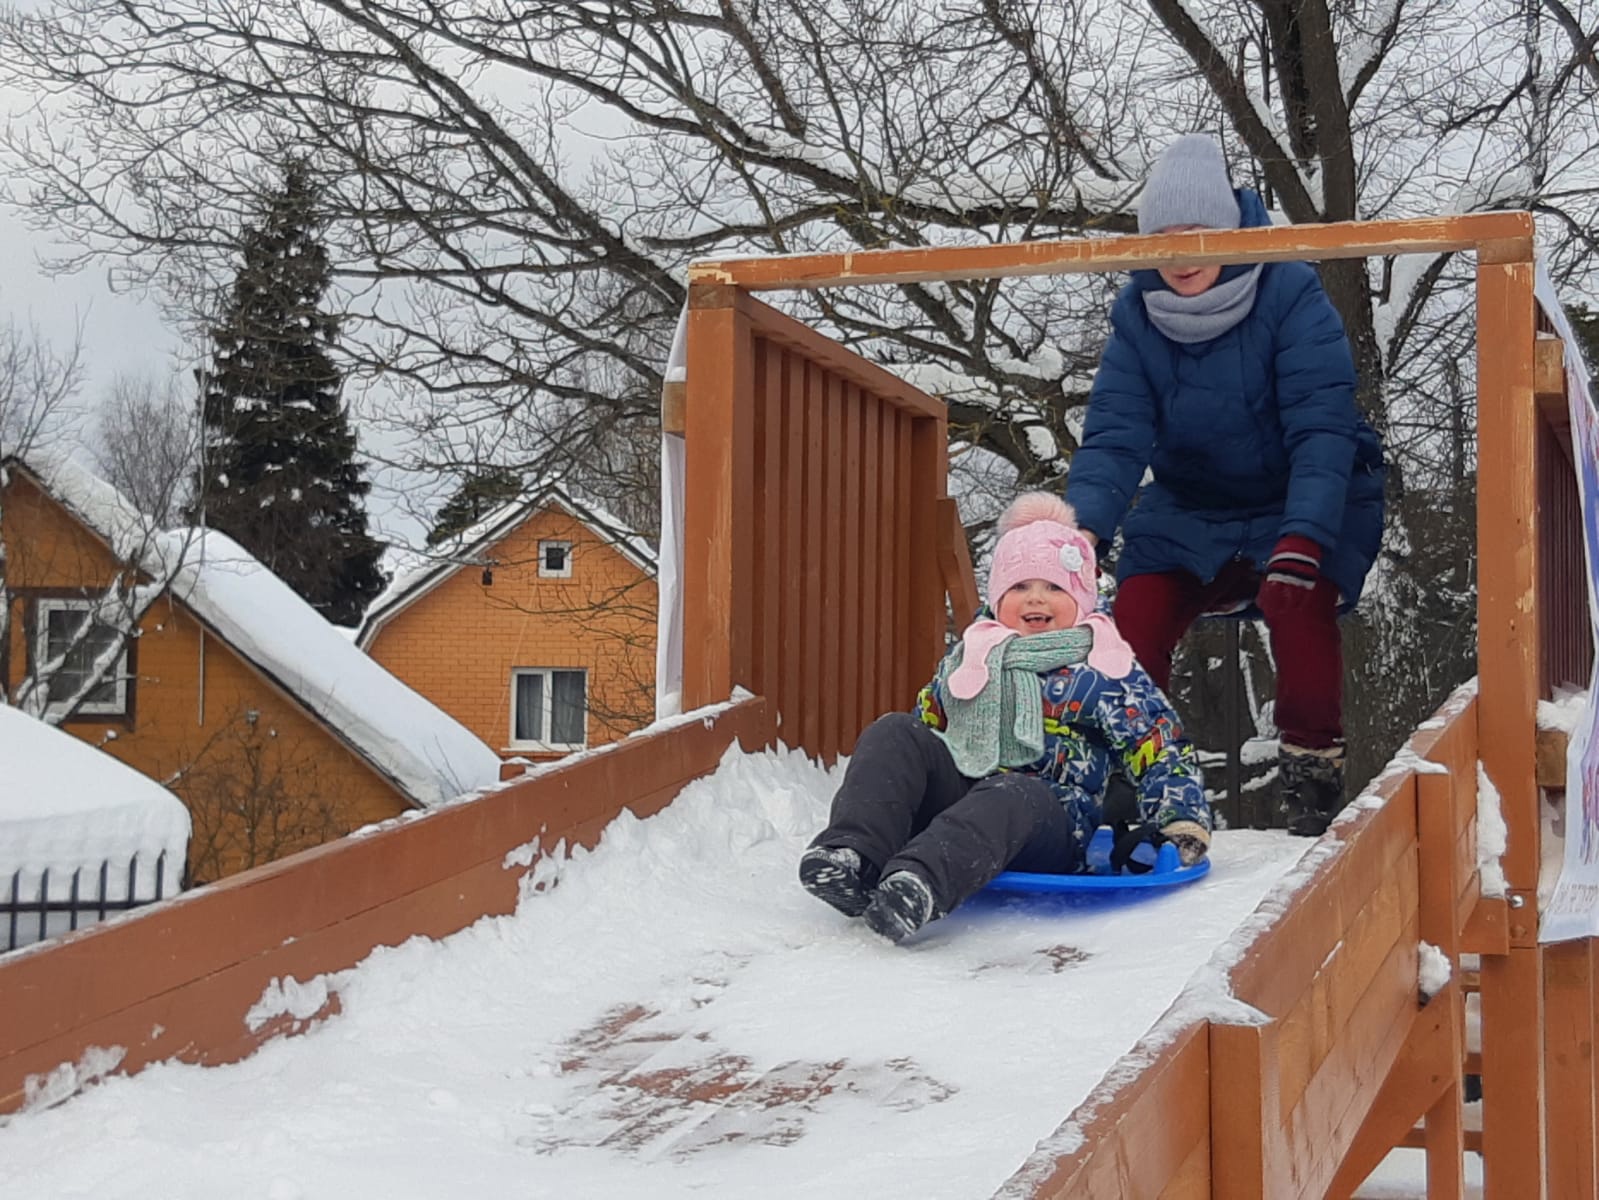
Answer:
(479, 494)
(279, 474)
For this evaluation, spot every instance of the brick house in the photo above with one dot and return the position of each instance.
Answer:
(535, 627)
(276, 732)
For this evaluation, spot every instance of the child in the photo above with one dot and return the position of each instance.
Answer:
(1008, 765)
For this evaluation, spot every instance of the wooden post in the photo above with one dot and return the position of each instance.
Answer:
(1507, 650)
(1245, 1111)
(717, 517)
(1569, 1068)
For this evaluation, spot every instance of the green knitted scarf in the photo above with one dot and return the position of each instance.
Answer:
(1003, 725)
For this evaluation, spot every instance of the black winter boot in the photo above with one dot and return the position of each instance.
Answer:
(1311, 787)
(839, 876)
(901, 905)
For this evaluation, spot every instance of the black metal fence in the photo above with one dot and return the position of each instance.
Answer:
(36, 905)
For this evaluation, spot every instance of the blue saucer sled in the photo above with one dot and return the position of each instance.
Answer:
(1166, 871)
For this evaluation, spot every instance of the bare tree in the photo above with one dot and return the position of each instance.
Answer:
(146, 443)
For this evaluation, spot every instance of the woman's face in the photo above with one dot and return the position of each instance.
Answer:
(1036, 606)
(1188, 281)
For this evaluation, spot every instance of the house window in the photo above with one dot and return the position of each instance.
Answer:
(555, 560)
(549, 709)
(58, 624)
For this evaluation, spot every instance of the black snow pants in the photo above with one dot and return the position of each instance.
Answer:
(904, 806)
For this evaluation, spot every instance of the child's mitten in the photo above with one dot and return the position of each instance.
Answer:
(1191, 839)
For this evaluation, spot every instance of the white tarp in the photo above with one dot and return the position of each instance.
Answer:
(669, 561)
(1573, 907)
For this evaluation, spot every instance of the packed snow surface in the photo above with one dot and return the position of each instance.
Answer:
(670, 1015)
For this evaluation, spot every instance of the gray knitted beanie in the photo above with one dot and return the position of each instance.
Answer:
(1188, 186)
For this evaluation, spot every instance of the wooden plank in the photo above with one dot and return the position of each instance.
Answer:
(851, 645)
(838, 360)
(1508, 536)
(1438, 861)
(928, 449)
(768, 517)
(834, 518)
(1549, 368)
(1551, 757)
(674, 406)
(906, 601)
(1135, 1138)
(792, 701)
(1487, 929)
(717, 538)
(956, 555)
(1570, 1141)
(1427, 1067)
(1244, 1137)
(873, 700)
(1513, 1091)
(891, 602)
(1509, 232)
(431, 875)
(814, 612)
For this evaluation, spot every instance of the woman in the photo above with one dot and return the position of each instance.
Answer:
(1235, 387)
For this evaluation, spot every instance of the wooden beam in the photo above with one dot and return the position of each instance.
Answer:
(1552, 745)
(1502, 236)
(1549, 368)
(1513, 1092)
(1568, 1054)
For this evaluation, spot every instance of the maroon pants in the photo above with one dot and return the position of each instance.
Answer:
(1154, 611)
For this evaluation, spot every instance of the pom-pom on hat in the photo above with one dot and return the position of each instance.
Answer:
(1039, 539)
(1188, 185)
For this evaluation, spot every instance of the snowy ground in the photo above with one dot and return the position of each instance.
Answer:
(675, 1017)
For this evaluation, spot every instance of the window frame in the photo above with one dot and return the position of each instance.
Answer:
(545, 573)
(547, 716)
(119, 677)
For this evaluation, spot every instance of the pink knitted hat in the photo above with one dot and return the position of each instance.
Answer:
(1039, 539)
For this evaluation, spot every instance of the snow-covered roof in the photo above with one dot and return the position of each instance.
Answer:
(417, 572)
(426, 753)
(66, 805)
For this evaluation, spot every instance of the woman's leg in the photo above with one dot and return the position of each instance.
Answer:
(1308, 647)
(1006, 818)
(1153, 612)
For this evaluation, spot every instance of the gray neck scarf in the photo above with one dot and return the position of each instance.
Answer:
(1208, 315)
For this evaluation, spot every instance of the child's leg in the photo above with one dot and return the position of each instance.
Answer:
(1003, 820)
(900, 775)
(1153, 612)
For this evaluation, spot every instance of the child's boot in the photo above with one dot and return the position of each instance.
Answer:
(901, 905)
(839, 876)
(1311, 784)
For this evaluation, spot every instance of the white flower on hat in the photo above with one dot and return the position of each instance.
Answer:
(1071, 558)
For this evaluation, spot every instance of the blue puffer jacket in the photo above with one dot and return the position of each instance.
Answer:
(1250, 436)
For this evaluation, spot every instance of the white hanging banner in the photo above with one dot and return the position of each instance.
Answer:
(669, 561)
(1572, 910)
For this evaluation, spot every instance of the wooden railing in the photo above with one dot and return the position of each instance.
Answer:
(177, 979)
(815, 524)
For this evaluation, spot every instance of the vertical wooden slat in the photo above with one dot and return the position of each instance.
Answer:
(849, 623)
(1244, 1106)
(1570, 1141)
(891, 603)
(770, 499)
(716, 514)
(1439, 885)
(813, 615)
(792, 689)
(833, 521)
(873, 701)
(1507, 658)
(928, 454)
(905, 599)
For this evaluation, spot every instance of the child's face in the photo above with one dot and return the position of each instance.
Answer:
(1036, 606)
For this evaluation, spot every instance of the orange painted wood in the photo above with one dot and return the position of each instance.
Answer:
(905, 599)
(828, 645)
(1508, 536)
(956, 556)
(1244, 1105)
(1274, 244)
(1438, 863)
(804, 342)
(852, 648)
(325, 909)
(1570, 1142)
(929, 450)
(768, 518)
(1428, 1065)
(1136, 1138)
(874, 700)
(815, 585)
(791, 686)
(1512, 1070)
(1487, 928)
(718, 458)
(891, 677)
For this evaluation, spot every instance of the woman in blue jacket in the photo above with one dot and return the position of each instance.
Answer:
(1235, 388)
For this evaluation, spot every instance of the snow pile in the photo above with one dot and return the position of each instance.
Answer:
(429, 755)
(1492, 836)
(1432, 969)
(670, 1015)
(66, 806)
(1564, 712)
